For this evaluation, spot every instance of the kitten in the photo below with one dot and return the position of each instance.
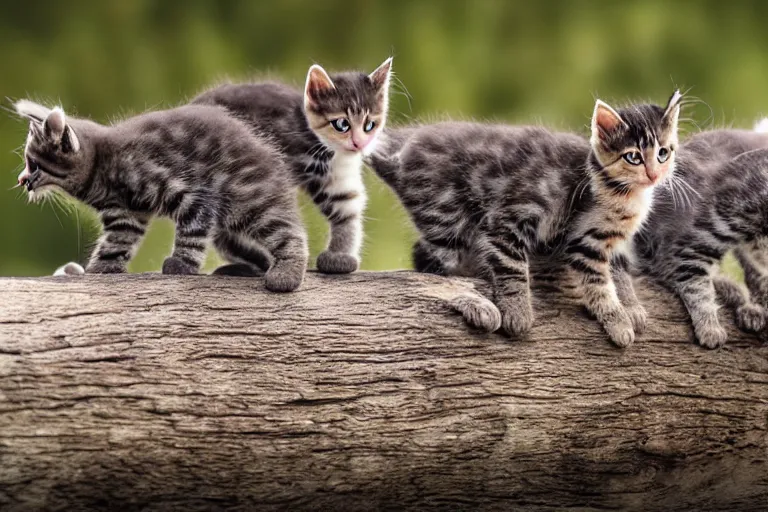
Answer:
(323, 134)
(717, 201)
(195, 164)
(486, 198)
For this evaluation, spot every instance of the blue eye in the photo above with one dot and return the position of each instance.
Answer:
(340, 125)
(663, 155)
(370, 125)
(633, 157)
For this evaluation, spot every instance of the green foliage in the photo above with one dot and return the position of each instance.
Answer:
(516, 61)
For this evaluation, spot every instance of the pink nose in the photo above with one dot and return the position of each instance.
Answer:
(653, 174)
(23, 177)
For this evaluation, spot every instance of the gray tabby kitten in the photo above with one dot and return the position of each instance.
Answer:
(195, 164)
(720, 203)
(323, 134)
(486, 198)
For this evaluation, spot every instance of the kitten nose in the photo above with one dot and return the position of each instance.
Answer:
(653, 174)
(23, 177)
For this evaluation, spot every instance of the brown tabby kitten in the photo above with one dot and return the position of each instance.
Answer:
(323, 134)
(194, 164)
(486, 198)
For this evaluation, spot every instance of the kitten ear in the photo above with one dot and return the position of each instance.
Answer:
(318, 82)
(672, 112)
(55, 127)
(380, 76)
(605, 120)
(31, 110)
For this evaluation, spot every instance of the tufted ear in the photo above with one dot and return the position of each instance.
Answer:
(605, 120)
(672, 111)
(32, 111)
(380, 76)
(318, 82)
(55, 127)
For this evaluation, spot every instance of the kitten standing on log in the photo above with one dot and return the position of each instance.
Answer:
(323, 134)
(194, 164)
(717, 201)
(485, 198)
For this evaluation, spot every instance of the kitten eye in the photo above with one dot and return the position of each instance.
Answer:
(369, 126)
(663, 155)
(633, 157)
(340, 125)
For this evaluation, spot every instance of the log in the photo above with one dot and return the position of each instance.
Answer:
(362, 392)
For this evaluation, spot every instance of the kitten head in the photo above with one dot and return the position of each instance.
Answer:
(55, 157)
(636, 146)
(347, 111)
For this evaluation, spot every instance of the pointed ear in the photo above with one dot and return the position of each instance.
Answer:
(605, 120)
(55, 124)
(31, 110)
(380, 76)
(672, 111)
(318, 82)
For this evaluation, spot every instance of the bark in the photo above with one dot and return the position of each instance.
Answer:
(363, 392)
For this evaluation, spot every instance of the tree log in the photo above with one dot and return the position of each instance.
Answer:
(363, 392)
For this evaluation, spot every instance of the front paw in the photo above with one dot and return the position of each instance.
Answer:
(177, 266)
(329, 262)
(619, 326)
(710, 334)
(516, 315)
(478, 312)
(70, 269)
(106, 267)
(285, 276)
(751, 317)
(639, 318)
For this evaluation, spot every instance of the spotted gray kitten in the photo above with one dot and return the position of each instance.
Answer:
(323, 134)
(718, 201)
(486, 198)
(194, 164)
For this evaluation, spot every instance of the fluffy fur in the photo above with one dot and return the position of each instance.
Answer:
(195, 164)
(323, 133)
(487, 198)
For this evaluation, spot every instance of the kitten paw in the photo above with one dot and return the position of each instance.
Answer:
(70, 269)
(478, 312)
(329, 262)
(177, 266)
(639, 318)
(516, 315)
(285, 276)
(104, 267)
(238, 270)
(711, 335)
(751, 317)
(620, 330)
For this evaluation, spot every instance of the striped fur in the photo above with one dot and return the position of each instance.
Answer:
(718, 201)
(326, 163)
(488, 198)
(194, 164)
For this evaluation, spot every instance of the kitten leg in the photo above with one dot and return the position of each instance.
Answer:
(248, 259)
(281, 233)
(754, 275)
(194, 220)
(625, 290)
(750, 317)
(592, 273)
(698, 295)
(506, 268)
(123, 230)
(344, 210)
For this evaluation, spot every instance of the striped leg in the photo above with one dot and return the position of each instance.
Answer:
(506, 268)
(248, 259)
(344, 211)
(123, 230)
(750, 317)
(625, 290)
(281, 232)
(751, 258)
(698, 294)
(194, 220)
(589, 265)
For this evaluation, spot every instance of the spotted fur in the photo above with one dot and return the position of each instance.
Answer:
(717, 201)
(326, 162)
(194, 164)
(488, 198)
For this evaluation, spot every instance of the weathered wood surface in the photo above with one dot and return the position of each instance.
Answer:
(362, 392)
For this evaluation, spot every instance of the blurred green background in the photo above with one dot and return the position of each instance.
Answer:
(518, 61)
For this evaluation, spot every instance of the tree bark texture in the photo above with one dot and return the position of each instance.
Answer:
(363, 392)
